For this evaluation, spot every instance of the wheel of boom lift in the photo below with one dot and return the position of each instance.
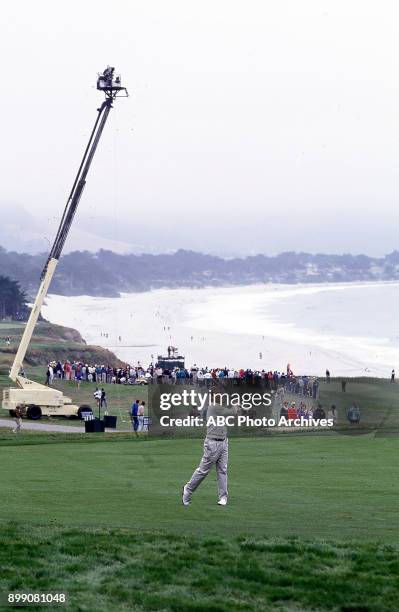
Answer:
(34, 412)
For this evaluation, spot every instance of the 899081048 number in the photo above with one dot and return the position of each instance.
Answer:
(34, 598)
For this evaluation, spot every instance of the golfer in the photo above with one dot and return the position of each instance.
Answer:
(216, 451)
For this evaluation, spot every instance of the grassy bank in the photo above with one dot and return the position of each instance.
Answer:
(50, 342)
(377, 399)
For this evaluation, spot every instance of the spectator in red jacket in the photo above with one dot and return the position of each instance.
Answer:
(292, 413)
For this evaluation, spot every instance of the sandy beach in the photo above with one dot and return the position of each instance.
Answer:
(350, 328)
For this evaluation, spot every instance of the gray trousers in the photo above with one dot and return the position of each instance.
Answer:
(216, 454)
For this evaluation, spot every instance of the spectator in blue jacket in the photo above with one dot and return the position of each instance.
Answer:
(135, 418)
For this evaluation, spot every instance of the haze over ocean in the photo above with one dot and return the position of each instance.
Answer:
(350, 328)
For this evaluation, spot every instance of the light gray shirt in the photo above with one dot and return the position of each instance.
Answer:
(214, 431)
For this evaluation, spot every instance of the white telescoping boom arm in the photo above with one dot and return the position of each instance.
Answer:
(112, 88)
(30, 326)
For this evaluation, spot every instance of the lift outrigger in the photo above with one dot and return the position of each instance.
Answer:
(35, 399)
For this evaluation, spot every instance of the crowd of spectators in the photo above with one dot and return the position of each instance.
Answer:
(100, 374)
(301, 385)
(283, 383)
(291, 410)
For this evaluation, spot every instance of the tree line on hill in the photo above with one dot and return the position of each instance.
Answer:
(12, 299)
(108, 274)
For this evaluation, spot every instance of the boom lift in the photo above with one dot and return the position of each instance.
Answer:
(34, 398)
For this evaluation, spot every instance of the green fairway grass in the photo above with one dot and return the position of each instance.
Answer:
(312, 523)
(314, 486)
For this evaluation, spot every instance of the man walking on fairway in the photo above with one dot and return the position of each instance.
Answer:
(216, 451)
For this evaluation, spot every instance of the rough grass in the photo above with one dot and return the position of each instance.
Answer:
(120, 569)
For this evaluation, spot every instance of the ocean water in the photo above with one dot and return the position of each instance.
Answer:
(350, 328)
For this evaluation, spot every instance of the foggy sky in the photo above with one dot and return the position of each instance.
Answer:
(252, 126)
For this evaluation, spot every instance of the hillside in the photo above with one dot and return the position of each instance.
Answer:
(50, 342)
(108, 274)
